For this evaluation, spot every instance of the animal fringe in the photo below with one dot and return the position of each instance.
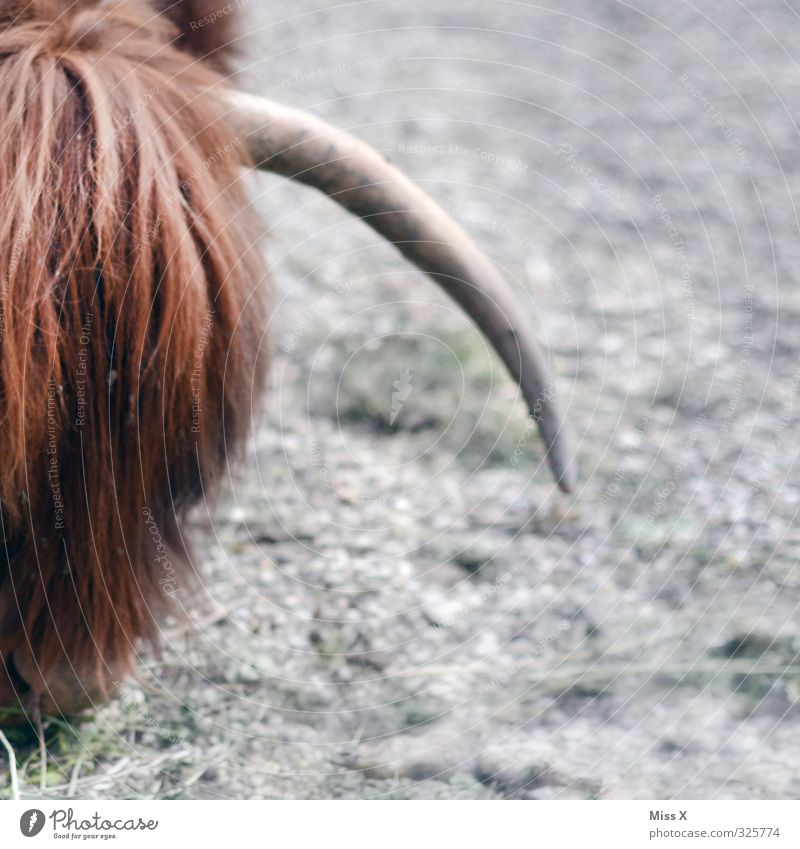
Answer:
(130, 321)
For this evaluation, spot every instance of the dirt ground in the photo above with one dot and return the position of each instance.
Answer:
(395, 601)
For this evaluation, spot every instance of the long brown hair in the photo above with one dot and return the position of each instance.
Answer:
(130, 323)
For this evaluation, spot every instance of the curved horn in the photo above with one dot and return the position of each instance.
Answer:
(299, 146)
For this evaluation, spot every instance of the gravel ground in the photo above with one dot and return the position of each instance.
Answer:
(406, 607)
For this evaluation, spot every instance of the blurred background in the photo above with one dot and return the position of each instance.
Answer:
(396, 601)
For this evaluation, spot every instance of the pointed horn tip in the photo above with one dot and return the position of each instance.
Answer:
(567, 482)
(563, 470)
(561, 459)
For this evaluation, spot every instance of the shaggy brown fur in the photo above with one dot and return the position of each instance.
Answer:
(130, 323)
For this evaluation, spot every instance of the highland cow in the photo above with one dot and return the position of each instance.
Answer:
(132, 312)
